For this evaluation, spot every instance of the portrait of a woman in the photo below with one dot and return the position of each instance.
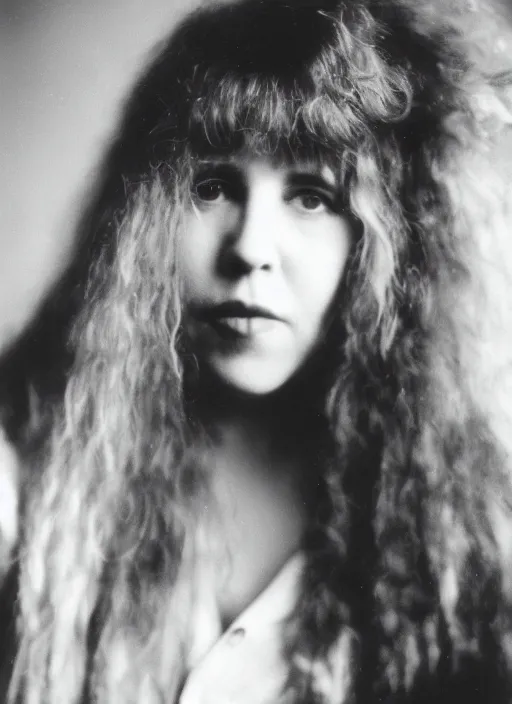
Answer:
(265, 406)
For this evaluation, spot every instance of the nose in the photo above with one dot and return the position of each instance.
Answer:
(251, 241)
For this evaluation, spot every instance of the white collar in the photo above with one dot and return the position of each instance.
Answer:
(270, 608)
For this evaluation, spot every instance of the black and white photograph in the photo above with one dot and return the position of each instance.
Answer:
(256, 352)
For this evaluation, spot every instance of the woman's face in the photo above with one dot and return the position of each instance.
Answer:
(263, 251)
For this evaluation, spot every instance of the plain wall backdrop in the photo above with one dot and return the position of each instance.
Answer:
(66, 64)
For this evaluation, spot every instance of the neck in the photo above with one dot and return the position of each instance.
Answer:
(286, 430)
(285, 416)
(257, 462)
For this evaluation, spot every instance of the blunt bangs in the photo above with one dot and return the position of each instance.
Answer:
(256, 79)
(301, 80)
(261, 116)
(266, 78)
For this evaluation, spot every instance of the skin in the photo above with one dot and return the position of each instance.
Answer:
(271, 235)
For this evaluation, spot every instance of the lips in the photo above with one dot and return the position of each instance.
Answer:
(238, 319)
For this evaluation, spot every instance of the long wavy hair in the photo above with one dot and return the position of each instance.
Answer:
(408, 566)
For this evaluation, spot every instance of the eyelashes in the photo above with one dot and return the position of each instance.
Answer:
(218, 184)
(311, 200)
(209, 190)
(307, 194)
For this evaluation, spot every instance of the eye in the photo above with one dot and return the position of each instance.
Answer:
(210, 190)
(310, 200)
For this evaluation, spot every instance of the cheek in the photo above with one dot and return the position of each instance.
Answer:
(196, 256)
(319, 270)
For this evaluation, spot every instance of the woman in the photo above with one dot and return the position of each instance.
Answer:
(279, 466)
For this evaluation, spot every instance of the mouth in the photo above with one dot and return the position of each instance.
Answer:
(237, 320)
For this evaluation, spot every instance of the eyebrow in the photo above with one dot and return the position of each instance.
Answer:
(311, 178)
(220, 168)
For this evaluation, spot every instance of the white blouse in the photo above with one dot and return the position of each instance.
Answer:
(245, 664)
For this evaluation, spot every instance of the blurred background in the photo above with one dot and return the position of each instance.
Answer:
(65, 66)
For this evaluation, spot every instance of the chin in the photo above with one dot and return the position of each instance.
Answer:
(253, 379)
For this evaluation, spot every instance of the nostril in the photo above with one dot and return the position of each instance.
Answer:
(233, 266)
